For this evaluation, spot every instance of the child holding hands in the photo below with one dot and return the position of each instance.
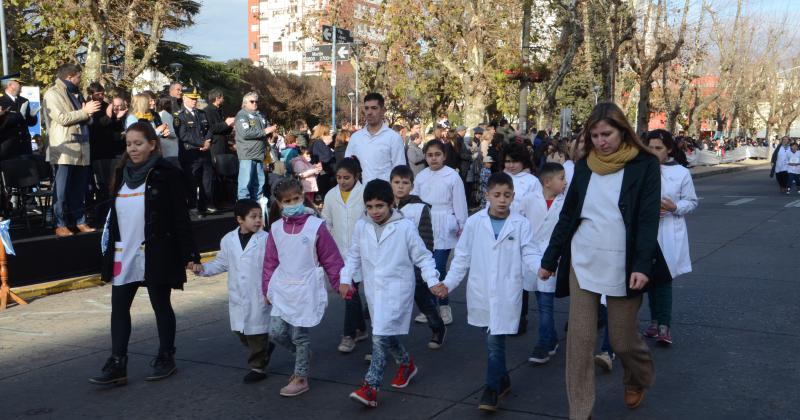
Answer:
(241, 254)
(300, 253)
(384, 250)
(495, 249)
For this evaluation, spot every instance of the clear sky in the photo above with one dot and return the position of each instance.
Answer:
(220, 30)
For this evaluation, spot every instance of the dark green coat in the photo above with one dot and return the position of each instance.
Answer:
(639, 203)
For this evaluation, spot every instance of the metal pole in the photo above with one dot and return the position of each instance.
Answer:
(333, 80)
(523, 84)
(358, 98)
(3, 37)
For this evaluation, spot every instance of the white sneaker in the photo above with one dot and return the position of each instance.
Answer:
(421, 318)
(347, 345)
(604, 361)
(446, 313)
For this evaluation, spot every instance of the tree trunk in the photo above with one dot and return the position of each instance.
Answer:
(474, 108)
(643, 106)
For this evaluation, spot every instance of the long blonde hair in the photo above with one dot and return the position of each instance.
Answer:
(140, 105)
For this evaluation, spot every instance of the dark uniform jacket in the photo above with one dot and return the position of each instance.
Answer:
(192, 131)
(105, 135)
(640, 204)
(15, 139)
(168, 239)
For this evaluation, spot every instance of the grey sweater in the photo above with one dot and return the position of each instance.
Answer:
(251, 142)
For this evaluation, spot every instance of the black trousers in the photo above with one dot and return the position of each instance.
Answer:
(199, 171)
(783, 178)
(121, 300)
(426, 302)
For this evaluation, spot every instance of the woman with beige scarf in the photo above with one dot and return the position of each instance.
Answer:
(605, 243)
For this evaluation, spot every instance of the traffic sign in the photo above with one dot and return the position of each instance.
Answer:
(320, 53)
(342, 35)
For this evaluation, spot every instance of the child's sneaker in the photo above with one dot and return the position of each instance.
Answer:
(347, 345)
(361, 335)
(651, 331)
(405, 372)
(297, 385)
(421, 319)
(541, 355)
(446, 313)
(437, 339)
(488, 400)
(366, 395)
(664, 335)
(604, 361)
(255, 376)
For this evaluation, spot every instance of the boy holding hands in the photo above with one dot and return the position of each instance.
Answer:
(495, 248)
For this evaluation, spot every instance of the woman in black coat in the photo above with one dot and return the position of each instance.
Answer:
(605, 243)
(148, 242)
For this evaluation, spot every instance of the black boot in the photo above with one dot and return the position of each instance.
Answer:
(163, 366)
(115, 372)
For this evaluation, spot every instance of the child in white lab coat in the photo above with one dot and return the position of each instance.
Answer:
(442, 188)
(384, 250)
(495, 249)
(678, 199)
(542, 208)
(241, 254)
(344, 205)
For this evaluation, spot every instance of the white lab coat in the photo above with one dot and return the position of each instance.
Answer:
(782, 163)
(248, 312)
(495, 267)
(387, 267)
(543, 221)
(444, 191)
(677, 185)
(341, 217)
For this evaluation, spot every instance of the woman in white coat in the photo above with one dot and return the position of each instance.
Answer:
(442, 188)
(678, 199)
(344, 206)
(241, 254)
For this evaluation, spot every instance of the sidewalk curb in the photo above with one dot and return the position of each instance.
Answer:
(76, 283)
(729, 170)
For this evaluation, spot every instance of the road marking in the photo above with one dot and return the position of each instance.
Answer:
(795, 203)
(740, 201)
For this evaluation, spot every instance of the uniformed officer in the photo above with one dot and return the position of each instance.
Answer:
(194, 144)
(15, 139)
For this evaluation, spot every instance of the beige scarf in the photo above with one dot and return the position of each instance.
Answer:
(608, 164)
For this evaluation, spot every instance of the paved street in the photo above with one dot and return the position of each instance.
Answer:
(735, 328)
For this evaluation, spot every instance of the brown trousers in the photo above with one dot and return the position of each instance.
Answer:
(258, 345)
(623, 329)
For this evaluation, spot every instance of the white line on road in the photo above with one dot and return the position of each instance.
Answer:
(740, 201)
(795, 203)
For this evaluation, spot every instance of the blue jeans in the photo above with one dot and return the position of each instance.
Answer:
(440, 257)
(547, 327)
(496, 366)
(382, 347)
(251, 179)
(606, 346)
(69, 194)
(296, 340)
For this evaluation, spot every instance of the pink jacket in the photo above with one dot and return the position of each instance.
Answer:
(327, 252)
(307, 172)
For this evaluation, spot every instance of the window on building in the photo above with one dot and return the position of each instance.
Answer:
(277, 46)
(255, 46)
(253, 28)
(292, 45)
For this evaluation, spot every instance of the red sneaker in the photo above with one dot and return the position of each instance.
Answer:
(404, 374)
(366, 395)
(664, 335)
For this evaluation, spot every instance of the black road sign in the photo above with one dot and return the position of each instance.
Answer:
(342, 35)
(320, 53)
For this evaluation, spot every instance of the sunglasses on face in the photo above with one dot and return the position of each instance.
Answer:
(253, 102)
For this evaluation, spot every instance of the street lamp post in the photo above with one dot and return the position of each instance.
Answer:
(351, 96)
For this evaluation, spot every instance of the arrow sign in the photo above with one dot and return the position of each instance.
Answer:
(321, 53)
(343, 36)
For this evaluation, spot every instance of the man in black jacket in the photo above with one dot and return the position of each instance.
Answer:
(219, 128)
(105, 143)
(15, 140)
